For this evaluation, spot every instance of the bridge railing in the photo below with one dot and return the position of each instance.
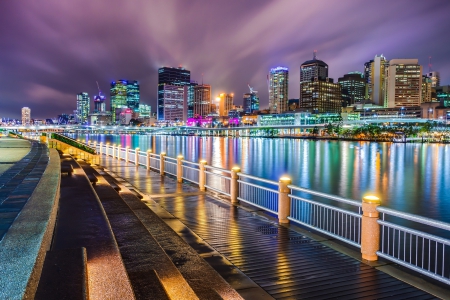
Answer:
(356, 223)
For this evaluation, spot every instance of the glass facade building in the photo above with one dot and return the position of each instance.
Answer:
(353, 87)
(251, 102)
(83, 108)
(124, 94)
(174, 77)
(278, 89)
(133, 95)
(321, 96)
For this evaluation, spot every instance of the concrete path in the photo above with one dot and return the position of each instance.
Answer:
(255, 255)
(23, 163)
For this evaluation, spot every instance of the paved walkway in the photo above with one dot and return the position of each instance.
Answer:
(22, 164)
(284, 262)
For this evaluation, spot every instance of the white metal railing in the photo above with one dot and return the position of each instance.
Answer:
(258, 192)
(218, 179)
(425, 253)
(421, 250)
(342, 224)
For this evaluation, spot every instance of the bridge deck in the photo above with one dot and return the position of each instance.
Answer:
(284, 262)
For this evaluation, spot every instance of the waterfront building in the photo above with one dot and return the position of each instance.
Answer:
(321, 96)
(374, 72)
(173, 77)
(173, 103)
(225, 104)
(435, 111)
(297, 119)
(26, 116)
(382, 113)
(403, 83)
(353, 87)
(189, 100)
(124, 94)
(435, 78)
(443, 95)
(426, 89)
(83, 108)
(202, 100)
(278, 89)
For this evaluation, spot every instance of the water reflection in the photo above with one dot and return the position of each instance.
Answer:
(407, 177)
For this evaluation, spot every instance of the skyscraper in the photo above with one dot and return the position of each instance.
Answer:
(99, 103)
(374, 72)
(202, 100)
(278, 90)
(314, 68)
(225, 104)
(83, 108)
(403, 83)
(124, 94)
(435, 78)
(353, 87)
(321, 96)
(173, 108)
(251, 101)
(426, 89)
(176, 77)
(26, 116)
(189, 100)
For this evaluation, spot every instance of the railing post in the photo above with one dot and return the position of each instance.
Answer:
(100, 149)
(113, 151)
(148, 159)
(370, 229)
(234, 185)
(284, 202)
(136, 156)
(180, 168)
(126, 153)
(161, 163)
(202, 176)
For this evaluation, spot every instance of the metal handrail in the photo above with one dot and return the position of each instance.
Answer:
(258, 186)
(218, 169)
(326, 206)
(326, 196)
(257, 178)
(218, 175)
(415, 218)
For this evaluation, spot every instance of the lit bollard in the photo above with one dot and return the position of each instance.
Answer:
(148, 159)
(136, 156)
(234, 185)
(284, 202)
(161, 163)
(180, 168)
(370, 229)
(202, 176)
(127, 149)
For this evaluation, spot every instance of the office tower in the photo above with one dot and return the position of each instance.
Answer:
(314, 68)
(173, 102)
(353, 87)
(278, 90)
(426, 89)
(26, 116)
(374, 72)
(225, 103)
(124, 94)
(251, 101)
(99, 103)
(173, 77)
(321, 96)
(443, 95)
(144, 110)
(202, 100)
(189, 100)
(83, 108)
(435, 78)
(403, 83)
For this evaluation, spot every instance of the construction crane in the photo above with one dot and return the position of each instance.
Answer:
(251, 89)
(99, 91)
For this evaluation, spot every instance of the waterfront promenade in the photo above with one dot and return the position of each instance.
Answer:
(248, 247)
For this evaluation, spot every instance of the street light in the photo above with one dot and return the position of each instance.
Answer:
(401, 111)
(429, 111)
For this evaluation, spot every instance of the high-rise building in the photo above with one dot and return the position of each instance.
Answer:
(311, 69)
(426, 89)
(26, 116)
(251, 102)
(321, 96)
(353, 87)
(374, 72)
(99, 103)
(173, 102)
(174, 77)
(202, 100)
(278, 90)
(83, 108)
(124, 94)
(145, 110)
(403, 83)
(435, 78)
(225, 103)
(189, 100)
(443, 95)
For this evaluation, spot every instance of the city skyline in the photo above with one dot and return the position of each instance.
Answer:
(52, 51)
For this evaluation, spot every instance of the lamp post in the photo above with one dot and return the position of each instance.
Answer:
(429, 111)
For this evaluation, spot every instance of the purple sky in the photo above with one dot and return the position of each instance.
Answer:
(50, 50)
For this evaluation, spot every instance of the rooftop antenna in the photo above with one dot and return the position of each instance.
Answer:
(429, 64)
(315, 54)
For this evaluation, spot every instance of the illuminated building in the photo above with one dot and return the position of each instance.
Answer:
(189, 100)
(83, 108)
(173, 102)
(311, 69)
(426, 89)
(403, 83)
(225, 104)
(443, 95)
(26, 116)
(353, 87)
(144, 110)
(374, 72)
(321, 96)
(293, 104)
(278, 89)
(202, 100)
(296, 119)
(99, 103)
(251, 101)
(174, 77)
(124, 94)
(435, 78)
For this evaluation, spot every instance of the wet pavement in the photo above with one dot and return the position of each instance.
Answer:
(247, 248)
(22, 164)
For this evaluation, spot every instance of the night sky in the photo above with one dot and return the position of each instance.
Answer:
(50, 50)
